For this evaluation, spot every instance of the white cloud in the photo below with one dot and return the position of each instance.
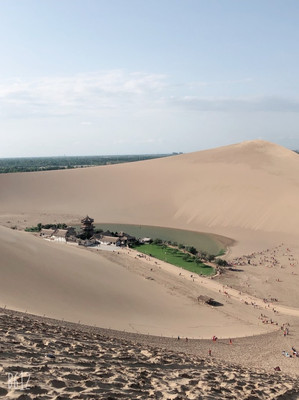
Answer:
(84, 93)
(115, 93)
(229, 104)
(244, 81)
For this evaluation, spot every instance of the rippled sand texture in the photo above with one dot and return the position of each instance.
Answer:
(90, 365)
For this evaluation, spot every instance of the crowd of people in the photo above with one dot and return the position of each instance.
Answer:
(269, 258)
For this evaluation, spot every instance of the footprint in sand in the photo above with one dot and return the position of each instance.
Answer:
(74, 377)
(56, 383)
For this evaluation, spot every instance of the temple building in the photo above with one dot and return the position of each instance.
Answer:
(59, 235)
(87, 226)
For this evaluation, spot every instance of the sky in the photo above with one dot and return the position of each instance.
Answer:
(97, 77)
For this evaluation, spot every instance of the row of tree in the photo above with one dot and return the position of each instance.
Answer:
(40, 226)
(30, 164)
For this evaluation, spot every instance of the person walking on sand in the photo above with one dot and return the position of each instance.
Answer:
(210, 352)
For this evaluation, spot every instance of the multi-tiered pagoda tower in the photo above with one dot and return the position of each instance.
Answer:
(87, 226)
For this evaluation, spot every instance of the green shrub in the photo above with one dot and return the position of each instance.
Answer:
(221, 263)
(192, 250)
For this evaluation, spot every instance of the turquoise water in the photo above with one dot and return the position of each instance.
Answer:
(210, 243)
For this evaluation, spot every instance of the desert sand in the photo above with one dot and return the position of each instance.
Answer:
(232, 190)
(47, 359)
(247, 192)
(111, 291)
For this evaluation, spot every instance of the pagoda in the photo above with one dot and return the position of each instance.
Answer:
(87, 226)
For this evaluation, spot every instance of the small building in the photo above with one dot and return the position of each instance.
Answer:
(60, 235)
(105, 233)
(126, 239)
(46, 233)
(87, 242)
(110, 240)
(121, 239)
(97, 237)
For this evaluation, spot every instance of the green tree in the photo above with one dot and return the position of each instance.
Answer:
(192, 250)
(198, 261)
(221, 263)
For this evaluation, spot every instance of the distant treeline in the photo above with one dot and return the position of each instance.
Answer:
(30, 164)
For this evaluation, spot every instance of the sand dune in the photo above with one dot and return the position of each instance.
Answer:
(247, 191)
(45, 359)
(251, 186)
(71, 283)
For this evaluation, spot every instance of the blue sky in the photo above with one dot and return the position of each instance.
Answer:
(146, 76)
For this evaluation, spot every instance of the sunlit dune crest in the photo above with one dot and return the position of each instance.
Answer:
(252, 185)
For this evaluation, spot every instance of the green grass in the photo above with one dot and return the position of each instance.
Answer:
(174, 257)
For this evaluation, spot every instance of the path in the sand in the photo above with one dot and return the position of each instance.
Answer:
(214, 286)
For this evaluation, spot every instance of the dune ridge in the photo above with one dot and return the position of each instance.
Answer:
(247, 187)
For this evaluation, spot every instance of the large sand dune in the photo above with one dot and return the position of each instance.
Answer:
(247, 191)
(67, 282)
(252, 186)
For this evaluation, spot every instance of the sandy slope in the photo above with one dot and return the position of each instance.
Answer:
(233, 190)
(94, 364)
(112, 291)
(71, 283)
(248, 191)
